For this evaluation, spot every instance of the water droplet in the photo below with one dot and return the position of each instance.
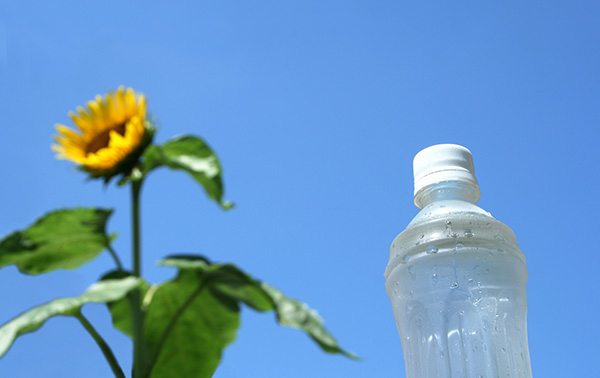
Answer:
(434, 278)
(449, 231)
(470, 280)
(405, 259)
(442, 355)
(454, 285)
(487, 270)
(421, 236)
(431, 250)
(411, 270)
(412, 292)
(503, 350)
(477, 300)
(469, 233)
(458, 246)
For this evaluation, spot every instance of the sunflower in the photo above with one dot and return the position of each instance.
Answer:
(112, 134)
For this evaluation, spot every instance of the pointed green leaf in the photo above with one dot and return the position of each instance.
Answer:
(229, 281)
(193, 155)
(293, 313)
(29, 321)
(62, 239)
(187, 327)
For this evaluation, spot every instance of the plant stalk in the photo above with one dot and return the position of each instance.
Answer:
(108, 354)
(136, 302)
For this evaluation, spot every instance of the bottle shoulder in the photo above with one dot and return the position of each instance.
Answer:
(448, 208)
(443, 225)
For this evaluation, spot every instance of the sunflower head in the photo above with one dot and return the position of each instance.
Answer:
(111, 134)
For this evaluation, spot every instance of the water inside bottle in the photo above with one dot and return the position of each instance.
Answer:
(462, 314)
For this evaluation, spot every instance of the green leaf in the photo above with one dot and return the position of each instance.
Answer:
(225, 278)
(120, 310)
(62, 239)
(231, 282)
(193, 155)
(29, 321)
(293, 313)
(187, 327)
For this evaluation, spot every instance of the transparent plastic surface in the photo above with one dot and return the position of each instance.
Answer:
(457, 282)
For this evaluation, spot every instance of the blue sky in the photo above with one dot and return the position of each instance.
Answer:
(316, 109)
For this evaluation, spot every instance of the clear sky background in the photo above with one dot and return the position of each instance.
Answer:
(316, 109)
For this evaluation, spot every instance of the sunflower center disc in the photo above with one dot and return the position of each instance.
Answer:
(101, 140)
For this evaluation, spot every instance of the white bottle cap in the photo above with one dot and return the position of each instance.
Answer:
(445, 163)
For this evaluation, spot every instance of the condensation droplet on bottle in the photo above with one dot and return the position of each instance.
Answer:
(458, 246)
(449, 231)
(454, 285)
(412, 292)
(421, 236)
(405, 259)
(470, 280)
(469, 233)
(441, 355)
(411, 270)
(434, 278)
(431, 250)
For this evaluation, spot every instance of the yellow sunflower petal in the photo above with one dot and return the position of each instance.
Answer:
(130, 103)
(70, 134)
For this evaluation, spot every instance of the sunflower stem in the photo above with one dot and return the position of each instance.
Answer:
(136, 187)
(136, 302)
(108, 354)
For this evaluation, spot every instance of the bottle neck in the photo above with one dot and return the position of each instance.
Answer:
(449, 190)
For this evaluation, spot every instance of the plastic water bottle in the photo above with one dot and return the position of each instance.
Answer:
(457, 278)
